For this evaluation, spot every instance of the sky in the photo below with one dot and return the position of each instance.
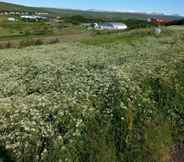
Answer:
(151, 6)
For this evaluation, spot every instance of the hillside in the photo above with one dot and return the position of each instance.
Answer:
(16, 7)
(115, 101)
(87, 13)
(111, 15)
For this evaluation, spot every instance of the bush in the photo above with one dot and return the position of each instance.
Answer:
(8, 45)
(30, 42)
(38, 42)
(26, 43)
(53, 41)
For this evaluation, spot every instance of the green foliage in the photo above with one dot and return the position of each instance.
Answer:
(108, 102)
(78, 19)
(158, 139)
(21, 28)
(53, 41)
(30, 42)
(136, 24)
(108, 37)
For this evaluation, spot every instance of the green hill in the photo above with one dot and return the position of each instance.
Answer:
(10, 6)
(88, 13)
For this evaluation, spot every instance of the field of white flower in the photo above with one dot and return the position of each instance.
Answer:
(119, 101)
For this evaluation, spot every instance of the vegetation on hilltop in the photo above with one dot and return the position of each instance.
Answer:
(16, 7)
(76, 102)
(10, 6)
(87, 13)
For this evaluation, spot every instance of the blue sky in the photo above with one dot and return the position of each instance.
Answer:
(157, 6)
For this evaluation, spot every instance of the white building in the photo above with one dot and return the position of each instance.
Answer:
(33, 18)
(110, 26)
(119, 26)
(11, 19)
(42, 13)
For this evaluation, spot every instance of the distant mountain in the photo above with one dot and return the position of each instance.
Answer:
(92, 13)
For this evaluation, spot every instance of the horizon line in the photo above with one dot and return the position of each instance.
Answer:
(100, 10)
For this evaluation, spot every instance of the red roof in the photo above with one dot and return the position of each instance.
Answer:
(159, 21)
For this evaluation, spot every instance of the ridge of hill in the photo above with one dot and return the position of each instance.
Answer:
(16, 7)
(87, 13)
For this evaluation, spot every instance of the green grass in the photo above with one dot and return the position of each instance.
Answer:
(9, 6)
(20, 28)
(110, 101)
(176, 27)
(12, 34)
(108, 38)
(101, 38)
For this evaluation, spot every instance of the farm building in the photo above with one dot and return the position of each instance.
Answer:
(110, 26)
(33, 18)
(159, 21)
(9, 12)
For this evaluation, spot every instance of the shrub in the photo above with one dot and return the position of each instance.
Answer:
(53, 41)
(30, 42)
(38, 42)
(25, 43)
(8, 45)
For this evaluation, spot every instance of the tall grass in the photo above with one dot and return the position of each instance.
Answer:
(73, 102)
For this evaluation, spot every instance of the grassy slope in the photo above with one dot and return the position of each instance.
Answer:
(20, 28)
(53, 99)
(9, 6)
(15, 7)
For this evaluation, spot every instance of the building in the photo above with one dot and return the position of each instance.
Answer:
(31, 18)
(159, 21)
(14, 12)
(11, 19)
(110, 26)
(42, 13)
